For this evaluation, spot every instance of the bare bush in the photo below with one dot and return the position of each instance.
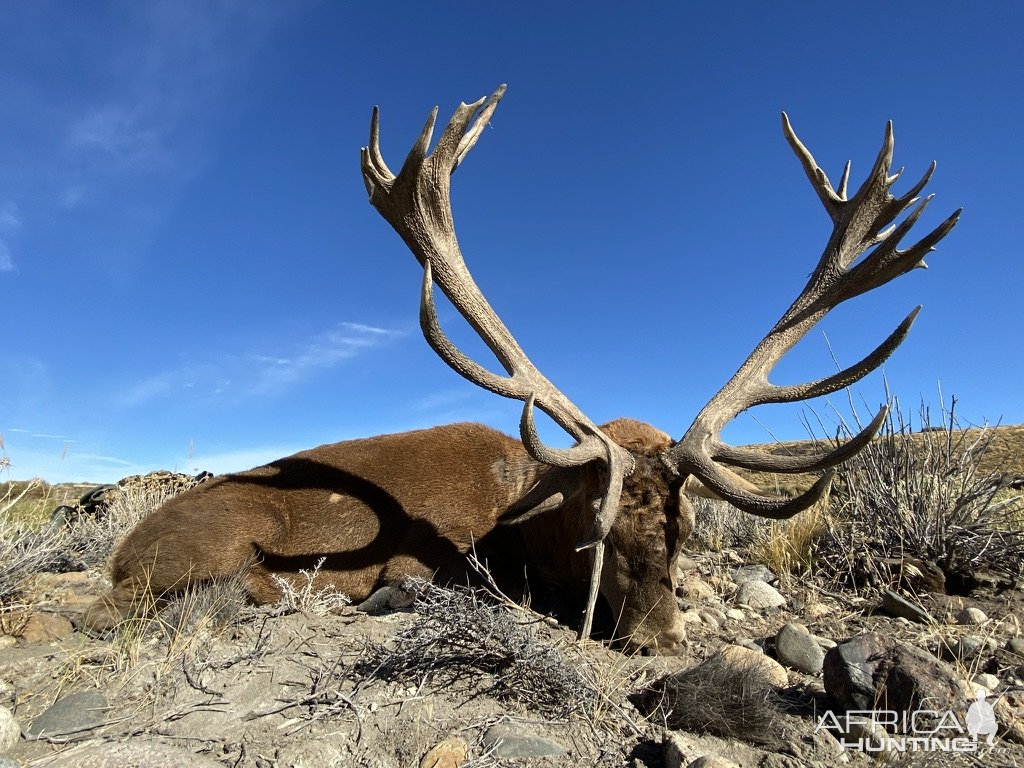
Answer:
(922, 495)
(306, 597)
(462, 638)
(719, 525)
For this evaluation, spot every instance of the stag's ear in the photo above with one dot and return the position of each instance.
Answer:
(555, 488)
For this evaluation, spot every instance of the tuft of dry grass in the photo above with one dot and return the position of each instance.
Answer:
(719, 697)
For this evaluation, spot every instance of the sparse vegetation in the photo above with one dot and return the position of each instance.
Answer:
(925, 495)
(934, 491)
(63, 545)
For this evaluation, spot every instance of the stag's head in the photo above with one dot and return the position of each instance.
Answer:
(638, 520)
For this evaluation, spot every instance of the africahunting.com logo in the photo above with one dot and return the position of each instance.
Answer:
(926, 730)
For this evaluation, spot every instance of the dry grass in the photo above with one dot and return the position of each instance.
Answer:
(59, 546)
(719, 697)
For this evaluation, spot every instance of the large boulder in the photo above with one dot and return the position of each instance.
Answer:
(876, 672)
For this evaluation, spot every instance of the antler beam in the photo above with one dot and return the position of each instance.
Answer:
(417, 204)
(860, 223)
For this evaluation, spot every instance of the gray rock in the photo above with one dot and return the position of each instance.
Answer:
(712, 761)
(796, 648)
(510, 740)
(969, 646)
(694, 588)
(74, 713)
(735, 614)
(716, 613)
(985, 680)
(10, 731)
(686, 564)
(752, 573)
(9, 762)
(894, 605)
(759, 596)
(135, 754)
(874, 671)
(1016, 645)
(709, 619)
(973, 616)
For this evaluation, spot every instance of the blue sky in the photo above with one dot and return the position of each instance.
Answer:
(192, 278)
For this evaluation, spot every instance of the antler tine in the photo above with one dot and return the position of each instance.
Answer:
(417, 204)
(860, 223)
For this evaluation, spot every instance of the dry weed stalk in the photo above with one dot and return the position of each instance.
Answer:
(306, 597)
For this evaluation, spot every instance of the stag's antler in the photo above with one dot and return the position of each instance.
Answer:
(417, 204)
(858, 225)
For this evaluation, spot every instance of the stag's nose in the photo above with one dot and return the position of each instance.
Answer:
(668, 642)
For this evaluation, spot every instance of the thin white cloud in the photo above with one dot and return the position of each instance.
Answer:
(326, 351)
(224, 462)
(261, 373)
(10, 221)
(6, 259)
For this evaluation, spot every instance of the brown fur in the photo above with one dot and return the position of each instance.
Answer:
(385, 508)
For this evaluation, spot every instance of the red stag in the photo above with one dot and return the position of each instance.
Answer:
(607, 516)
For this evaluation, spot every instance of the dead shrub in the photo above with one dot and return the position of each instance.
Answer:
(923, 495)
(462, 639)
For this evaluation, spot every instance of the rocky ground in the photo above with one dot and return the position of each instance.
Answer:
(465, 682)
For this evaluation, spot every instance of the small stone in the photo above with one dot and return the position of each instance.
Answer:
(691, 617)
(709, 620)
(967, 647)
(797, 649)
(752, 573)
(986, 681)
(10, 731)
(46, 628)
(711, 761)
(1016, 645)
(7, 641)
(735, 614)
(694, 588)
(824, 642)
(815, 611)
(716, 613)
(759, 596)
(894, 605)
(686, 564)
(450, 753)
(739, 656)
(508, 740)
(972, 616)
